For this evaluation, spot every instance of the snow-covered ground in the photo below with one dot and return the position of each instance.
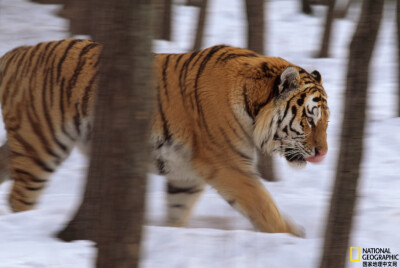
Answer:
(217, 236)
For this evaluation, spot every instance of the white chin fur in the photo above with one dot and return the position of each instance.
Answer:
(297, 164)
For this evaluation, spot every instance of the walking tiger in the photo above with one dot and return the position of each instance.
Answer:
(213, 108)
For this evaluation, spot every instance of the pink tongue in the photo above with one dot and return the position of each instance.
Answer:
(316, 159)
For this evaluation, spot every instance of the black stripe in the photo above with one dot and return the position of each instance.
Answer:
(62, 110)
(34, 153)
(286, 110)
(232, 147)
(33, 189)
(51, 82)
(167, 133)
(49, 56)
(47, 116)
(77, 119)
(85, 98)
(248, 137)
(73, 80)
(183, 74)
(234, 56)
(285, 130)
(233, 129)
(178, 60)
(161, 166)
(37, 129)
(200, 55)
(16, 79)
(294, 113)
(223, 54)
(164, 76)
(64, 56)
(171, 189)
(78, 69)
(268, 72)
(32, 54)
(42, 54)
(10, 60)
(272, 95)
(300, 102)
(246, 102)
(203, 64)
(177, 206)
(26, 203)
(32, 178)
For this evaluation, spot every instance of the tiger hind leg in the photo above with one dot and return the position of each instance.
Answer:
(30, 172)
(181, 197)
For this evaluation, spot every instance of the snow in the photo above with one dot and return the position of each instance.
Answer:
(216, 235)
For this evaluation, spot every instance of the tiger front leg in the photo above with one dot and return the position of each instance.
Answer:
(245, 193)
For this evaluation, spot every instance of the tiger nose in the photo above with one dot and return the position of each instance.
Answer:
(318, 157)
(320, 152)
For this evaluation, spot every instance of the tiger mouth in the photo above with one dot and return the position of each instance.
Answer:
(293, 156)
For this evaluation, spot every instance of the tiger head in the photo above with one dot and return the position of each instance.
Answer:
(295, 121)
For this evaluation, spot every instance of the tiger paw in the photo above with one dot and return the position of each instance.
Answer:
(295, 229)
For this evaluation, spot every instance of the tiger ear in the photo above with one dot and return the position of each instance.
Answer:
(289, 80)
(316, 75)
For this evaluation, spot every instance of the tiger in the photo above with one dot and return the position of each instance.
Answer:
(212, 109)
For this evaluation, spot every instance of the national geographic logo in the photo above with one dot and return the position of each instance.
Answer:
(374, 257)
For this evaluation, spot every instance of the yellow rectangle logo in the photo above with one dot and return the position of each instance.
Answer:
(357, 255)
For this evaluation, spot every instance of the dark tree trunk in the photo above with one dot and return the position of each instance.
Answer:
(167, 24)
(49, 1)
(341, 11)
(344, 195)
(255, 41)
(265, 166)
(78, 13)
(112, 209)
(162, 19)
(198, 42)
(255, 25)
(398, 55)
(195, 3)
(306, 7)
(326, 39)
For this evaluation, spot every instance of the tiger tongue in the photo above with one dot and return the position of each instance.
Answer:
(316, 159)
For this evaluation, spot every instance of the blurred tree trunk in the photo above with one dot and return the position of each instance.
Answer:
(398, 55)
(195, 3)
(49, 1)
(255, 12)
(198, 42)
(162, 11)
(306, 7)
(342, 8)
(78, 12)
(255, 25)
(112, 209)
(344, 195)
(326, 38)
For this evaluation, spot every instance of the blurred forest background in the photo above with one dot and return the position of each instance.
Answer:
(127, 28)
